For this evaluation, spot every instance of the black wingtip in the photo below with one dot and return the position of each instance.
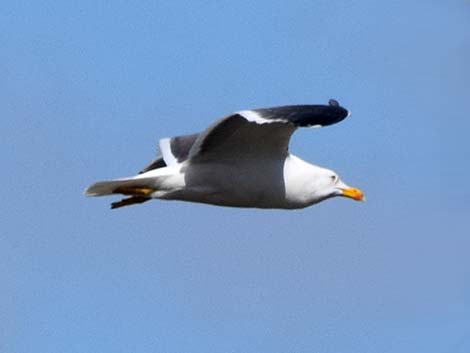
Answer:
(333, 103)
(313, 115)
(321, 115)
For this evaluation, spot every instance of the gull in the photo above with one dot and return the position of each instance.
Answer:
(241, 160)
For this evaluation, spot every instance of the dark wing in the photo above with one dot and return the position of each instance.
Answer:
(157, 163)
(261, 133)
(173, 150)
(306, 115)
(176, 149)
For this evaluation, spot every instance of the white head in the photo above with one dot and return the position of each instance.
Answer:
(307, 184)
(326, 184)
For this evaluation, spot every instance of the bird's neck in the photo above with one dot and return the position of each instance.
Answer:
(299, 177)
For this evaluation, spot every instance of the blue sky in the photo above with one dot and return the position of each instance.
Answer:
(88, 88)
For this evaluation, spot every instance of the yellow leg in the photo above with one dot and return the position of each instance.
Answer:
(134, 190)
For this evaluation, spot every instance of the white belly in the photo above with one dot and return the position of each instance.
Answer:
(259, 184)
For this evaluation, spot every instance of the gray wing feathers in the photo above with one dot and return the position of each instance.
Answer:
(247, 134)
(155, 164)
(171, 151)
(181, 145)
(176, 149)
(234, 137)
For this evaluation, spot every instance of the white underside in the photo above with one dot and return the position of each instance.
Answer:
(287, 183)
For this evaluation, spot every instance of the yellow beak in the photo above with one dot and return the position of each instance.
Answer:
(353, 193)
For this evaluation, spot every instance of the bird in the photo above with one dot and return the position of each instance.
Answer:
(241, 160)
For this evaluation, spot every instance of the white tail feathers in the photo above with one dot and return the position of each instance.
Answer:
(102, 188)
(139, 186)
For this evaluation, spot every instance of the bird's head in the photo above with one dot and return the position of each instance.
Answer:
(328, 184)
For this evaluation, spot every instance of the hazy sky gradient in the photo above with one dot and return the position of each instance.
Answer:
(87, 89)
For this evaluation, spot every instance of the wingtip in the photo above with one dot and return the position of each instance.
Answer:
(333, 103)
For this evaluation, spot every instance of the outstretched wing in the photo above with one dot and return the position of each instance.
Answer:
(260, 133)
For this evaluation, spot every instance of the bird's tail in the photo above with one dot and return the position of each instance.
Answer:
(128, 186)
(139, 190)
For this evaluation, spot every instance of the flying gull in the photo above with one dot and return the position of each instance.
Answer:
(241, 160)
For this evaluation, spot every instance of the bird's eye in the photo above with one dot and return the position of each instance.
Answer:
(334, 178)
